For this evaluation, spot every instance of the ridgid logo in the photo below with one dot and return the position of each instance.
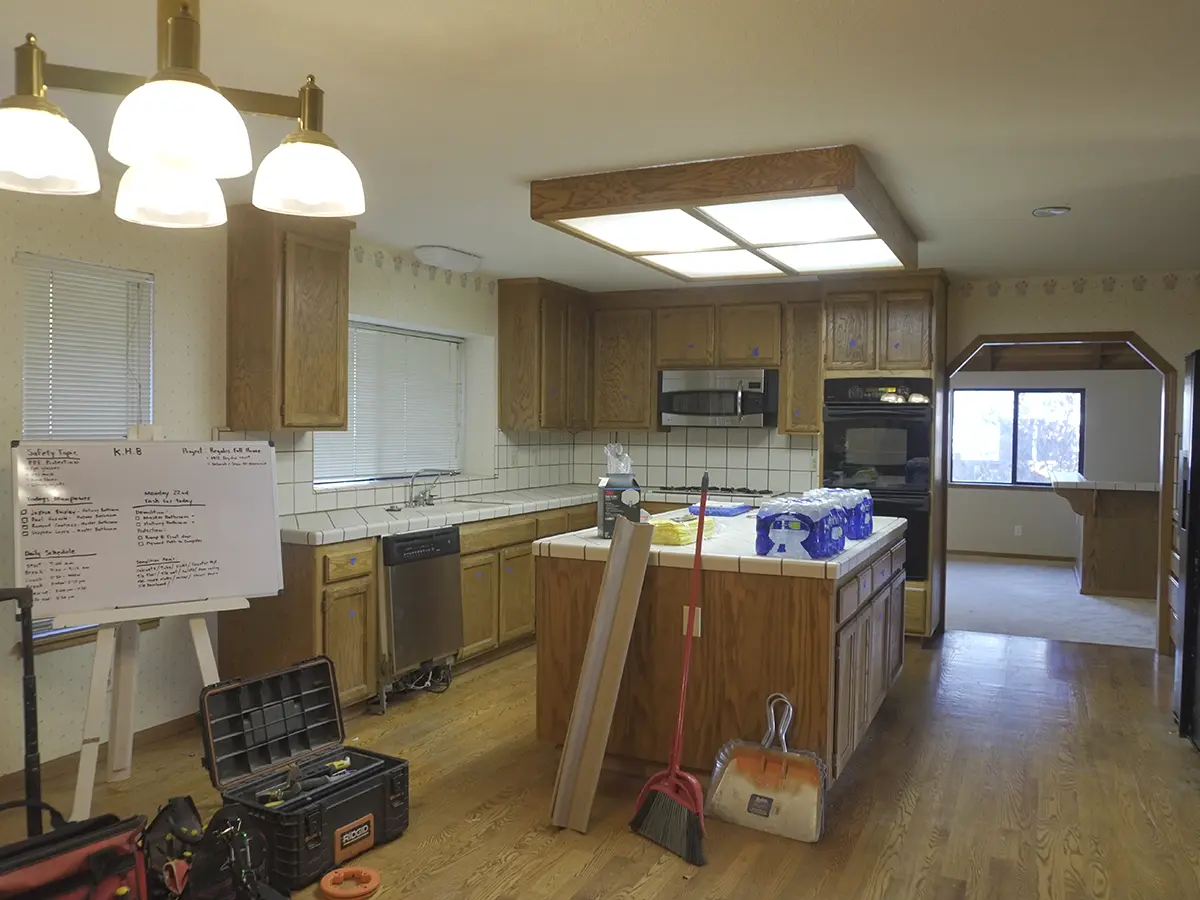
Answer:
(354, 835)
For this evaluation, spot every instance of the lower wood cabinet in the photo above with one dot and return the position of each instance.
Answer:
(581, 517)
(480, 603)
(516, 592)
(346, 613)
(329, 605)
(895, 629)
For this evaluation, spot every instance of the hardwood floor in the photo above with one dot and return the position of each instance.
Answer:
(1001, 767)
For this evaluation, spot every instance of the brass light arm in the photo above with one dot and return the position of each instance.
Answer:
(98, 81)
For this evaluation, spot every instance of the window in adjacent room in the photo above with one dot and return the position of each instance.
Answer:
(88, 368)
(1014, 436)
(405, 408)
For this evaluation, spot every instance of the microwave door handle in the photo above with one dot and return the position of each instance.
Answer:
(738, 402)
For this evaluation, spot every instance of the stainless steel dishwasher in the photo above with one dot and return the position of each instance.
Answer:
(424, 600)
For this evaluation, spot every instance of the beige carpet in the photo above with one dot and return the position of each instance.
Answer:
(1039, 599)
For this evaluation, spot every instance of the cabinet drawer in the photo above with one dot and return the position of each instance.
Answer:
(581, 517)
(498, 533)
(881, 569)
(551, 523)
(350, 560)
(899, 556)
(866, 584)
(847, 599)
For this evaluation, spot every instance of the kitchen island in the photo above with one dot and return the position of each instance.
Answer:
(828, 634)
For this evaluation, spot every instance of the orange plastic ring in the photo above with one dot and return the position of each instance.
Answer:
(365, 883)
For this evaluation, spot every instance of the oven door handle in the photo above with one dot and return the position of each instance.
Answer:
(886, 412)
(738, 402)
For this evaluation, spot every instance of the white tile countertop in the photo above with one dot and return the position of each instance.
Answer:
(731, 549)
(351, 524)
(1069, 480)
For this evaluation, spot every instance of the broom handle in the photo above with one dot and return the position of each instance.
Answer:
(693, 595)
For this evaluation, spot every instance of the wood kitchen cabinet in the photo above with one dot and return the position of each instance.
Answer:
(516, 592)
(480, 603)
(623, 390)
(288, 320)
(685, 337)
(895, 630)
(543, 355)
(850, 331)
(748, 335)
(801, 389)
(846, 693)
(329, 605)
(905, 330)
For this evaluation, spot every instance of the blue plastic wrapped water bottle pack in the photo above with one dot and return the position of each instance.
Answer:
(800, 528)
(858, 505)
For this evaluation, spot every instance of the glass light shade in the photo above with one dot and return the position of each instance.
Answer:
(840, 255)
(181, 124)
(43, 153)
(307, 179)
(796, 220)
(658, 231)
(715, 264)
(170, 198)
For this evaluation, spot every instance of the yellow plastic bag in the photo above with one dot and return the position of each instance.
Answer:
(679, 527)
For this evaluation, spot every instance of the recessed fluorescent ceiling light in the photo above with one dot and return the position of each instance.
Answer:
(658, 231)
(798, 220)
(870, 254)
(716, 264)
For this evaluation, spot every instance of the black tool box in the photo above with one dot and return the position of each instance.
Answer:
(268, 741)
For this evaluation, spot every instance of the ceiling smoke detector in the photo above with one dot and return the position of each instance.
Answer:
(439, 257)
(1049, 212)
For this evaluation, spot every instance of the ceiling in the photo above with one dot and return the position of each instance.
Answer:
(971, 113)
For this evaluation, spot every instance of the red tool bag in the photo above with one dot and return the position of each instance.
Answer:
(97, 859)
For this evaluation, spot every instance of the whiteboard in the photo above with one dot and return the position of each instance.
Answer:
(105, 525)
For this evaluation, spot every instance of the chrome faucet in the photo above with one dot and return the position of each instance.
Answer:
(423, 497)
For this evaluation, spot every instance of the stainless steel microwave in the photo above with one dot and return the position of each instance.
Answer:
(719, 398)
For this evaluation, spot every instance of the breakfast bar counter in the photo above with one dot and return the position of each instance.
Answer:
(827, 633)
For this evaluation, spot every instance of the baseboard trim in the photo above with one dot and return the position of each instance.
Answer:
(1033, 557)
(13, 783)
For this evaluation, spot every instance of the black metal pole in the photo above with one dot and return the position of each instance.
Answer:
(33, 763)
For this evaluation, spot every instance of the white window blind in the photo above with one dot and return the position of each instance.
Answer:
(88, 356)
(405, 408)
(88, 369)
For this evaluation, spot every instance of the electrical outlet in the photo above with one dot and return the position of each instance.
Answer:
(1016, 531)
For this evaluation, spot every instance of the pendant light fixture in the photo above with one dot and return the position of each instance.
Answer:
(307, 175)
(177, 132)
(41, 152)
(178, 118)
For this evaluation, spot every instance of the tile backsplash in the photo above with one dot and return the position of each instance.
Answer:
(756, 458)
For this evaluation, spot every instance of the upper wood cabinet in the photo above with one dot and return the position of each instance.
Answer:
(850, 331)
(905, 330)
(542, 355)
(623, 389)
(288, 316)
(748, 335)
(800, 377)
(685, 337)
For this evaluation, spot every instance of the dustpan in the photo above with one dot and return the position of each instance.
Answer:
(767, 787)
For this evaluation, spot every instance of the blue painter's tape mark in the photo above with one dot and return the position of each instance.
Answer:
(478, 574)
(897, 346)
(691, 346)
(853, 341)
(754, 352)
(510, 569)
(352, 614)
(353, 560)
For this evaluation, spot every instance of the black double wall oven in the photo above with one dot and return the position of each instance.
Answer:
(878, 435)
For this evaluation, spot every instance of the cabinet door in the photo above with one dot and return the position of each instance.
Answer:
(905, 339)
(879, 654)
(552, 376)
(349, 637)
(516, 592)
(518, 323)
(850, 331)
(623, 392)
(846, 732)
(685, 336)
(315, 330)
(579, 365)
(480, 603)
(895, 628)
(800, 408)
(865, 670)
(748, 335)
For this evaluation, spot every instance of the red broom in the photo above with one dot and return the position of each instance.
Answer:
(670, 809)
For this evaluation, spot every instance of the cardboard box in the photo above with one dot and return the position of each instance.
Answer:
(619, 496)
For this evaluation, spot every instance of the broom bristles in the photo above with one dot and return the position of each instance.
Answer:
(671, 825)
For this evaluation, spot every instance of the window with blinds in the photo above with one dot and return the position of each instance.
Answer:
(88, 354)
(405, 408)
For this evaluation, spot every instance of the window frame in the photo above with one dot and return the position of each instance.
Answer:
(1016, 392)
(366, 323)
